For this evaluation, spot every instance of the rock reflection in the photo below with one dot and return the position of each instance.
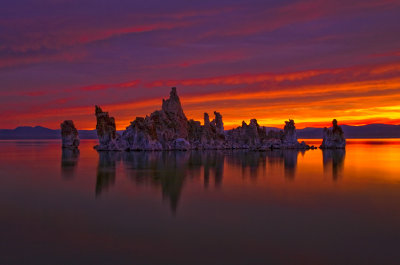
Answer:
(213, 162)
(290, 162)
(170, 170)
(249, 161)
(256, 161)
(334, 158)
(165, 169)
(252, 163)
(106, 170)
(69, 162)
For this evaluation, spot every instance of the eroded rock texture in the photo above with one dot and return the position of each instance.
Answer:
(69, 135)
(169, 129)
(109, 139)
(333, 138)
(255, 137)
(289, 140)
(246, 136)
(165, 129)
(212, 133)
(289, 133)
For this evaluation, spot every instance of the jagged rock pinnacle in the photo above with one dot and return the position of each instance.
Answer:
(69, 135)
(333, 138)
(169, 129)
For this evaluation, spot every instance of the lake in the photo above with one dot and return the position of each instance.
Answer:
(214, 207)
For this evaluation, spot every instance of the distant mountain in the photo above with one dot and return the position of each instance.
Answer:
(352, 132)
(366, 131)
(39, 132)
(310, 133)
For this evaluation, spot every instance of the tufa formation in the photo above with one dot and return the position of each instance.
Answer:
(69, 135)
(169, 129)
(333, 138)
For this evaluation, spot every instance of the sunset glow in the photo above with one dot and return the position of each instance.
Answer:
(310, 61)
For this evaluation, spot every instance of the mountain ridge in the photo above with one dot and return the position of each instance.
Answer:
(376, 130)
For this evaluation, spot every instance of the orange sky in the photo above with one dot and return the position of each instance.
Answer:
(355, 96)
(310, 61)
(370, 95)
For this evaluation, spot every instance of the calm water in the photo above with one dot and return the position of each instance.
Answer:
(281, 207)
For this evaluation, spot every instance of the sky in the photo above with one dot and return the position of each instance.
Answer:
(310, 61)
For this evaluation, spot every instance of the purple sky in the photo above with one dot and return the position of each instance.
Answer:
(246, 59)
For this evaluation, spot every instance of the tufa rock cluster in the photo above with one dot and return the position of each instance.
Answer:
(169, 129)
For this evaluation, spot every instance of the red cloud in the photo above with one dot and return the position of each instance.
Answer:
(342, 96)
(69, 56)
(58, 38)
(98, 87)
(247, 79)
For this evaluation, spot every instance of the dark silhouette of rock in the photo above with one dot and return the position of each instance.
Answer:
(109, 139)
(69, 135)
(289, 140)
(255, 137)
(212, 133)
(169, 129)
(333, 138)
(142, 133)
(246, 136)
(181, 144)
(161, 130)
(195, 133)
(218, 125)
(176, 118)
(289, 133)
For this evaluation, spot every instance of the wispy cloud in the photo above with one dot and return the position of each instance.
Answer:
(309, 60)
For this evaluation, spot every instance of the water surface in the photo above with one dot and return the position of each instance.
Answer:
(215, 207)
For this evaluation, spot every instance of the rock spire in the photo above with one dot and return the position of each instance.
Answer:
(69, 135)
(169, 129)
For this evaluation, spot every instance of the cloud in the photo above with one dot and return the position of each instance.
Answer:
(97, 87)
(244, 96)
(338, 74)
(295, 12)
(23, 60)
(310, 60)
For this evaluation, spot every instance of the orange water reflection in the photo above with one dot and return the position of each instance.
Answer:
(277, 207)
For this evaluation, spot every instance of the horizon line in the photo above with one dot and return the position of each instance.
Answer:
(267, 126)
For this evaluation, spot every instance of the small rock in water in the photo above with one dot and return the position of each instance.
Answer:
(109, 139)
(289, 133)
(333, 138)
(69, 135)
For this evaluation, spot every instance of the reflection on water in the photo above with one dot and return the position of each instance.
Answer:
(243, 207)
(334, 160)
(257, 161)
(106, 170)
(69, 161)
(169, 170)
(213, 163)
